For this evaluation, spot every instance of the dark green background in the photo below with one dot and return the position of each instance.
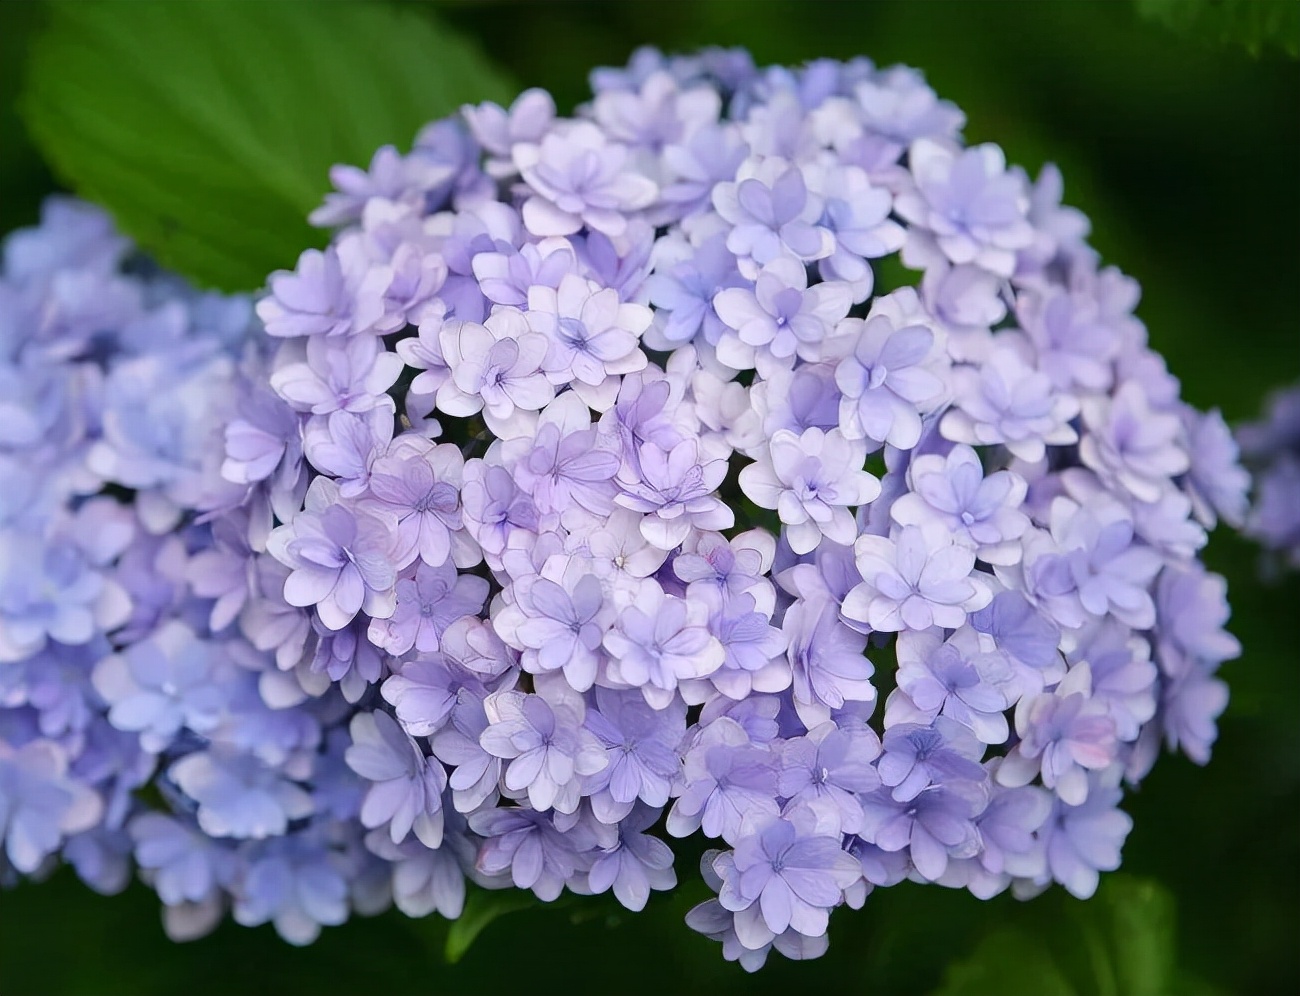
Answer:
(1186, 154)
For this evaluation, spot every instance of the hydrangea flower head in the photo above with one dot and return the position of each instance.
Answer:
(584, 494)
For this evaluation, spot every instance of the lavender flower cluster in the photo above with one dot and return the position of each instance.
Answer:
(143, 718)
(1271, 447)
(599, 491)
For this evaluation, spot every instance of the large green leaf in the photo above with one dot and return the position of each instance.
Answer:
(482, 907)
(1119, 943)
(23, 177)
(208, 127)
(1256, 24)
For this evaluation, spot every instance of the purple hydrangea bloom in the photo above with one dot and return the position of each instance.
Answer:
(753, 647)
(626, 331)
(297, 884)
(950, 677)
(549, 750)
(831, 766)
(684, 293)
(494, 507)
(1217, 482)
(725, 779)
(498, 130)
(187, 866)
(341, 558)
(427, 605)
(936, 826)
(828, 660)
(788, 874)
(319, 299)
(659, 642)
(969, 203)
(637, 863)
(677, 491)
(781, 315)
(811, 481)
(406, 790)
(918, 580)
(889, 381)
(238, 795)
(1007, 401)
(40, 804)
(1064, 735)
(1271, 448)
(526, 844)
(1132, 444)
(916, 757)
(980, 512)
(419, 486)
(641, 743)
(577, 178)
(52, 591)
(496, 368)
(346, 375)
(169, 682)
(568, 467)
(558, 629)
(773, 215)
(1008, 828)
(1086, 839)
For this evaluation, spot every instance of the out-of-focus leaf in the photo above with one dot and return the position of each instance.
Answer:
(208, 128)
(1008, 962)
(481, 908)
(23, 178)
(1119, 943)
(1256, 24)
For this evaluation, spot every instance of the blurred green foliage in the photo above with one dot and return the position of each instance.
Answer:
(1120, 943)
(1256, 24)
(1186, 157)
(199, 124)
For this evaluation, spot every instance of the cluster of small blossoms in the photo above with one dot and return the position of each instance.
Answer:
(648, 513)
(1271, 447)
(144, 721)
(595, 495)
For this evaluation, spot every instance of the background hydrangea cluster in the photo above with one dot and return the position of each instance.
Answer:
(611, 478)
(1271, 447)
(139, 724)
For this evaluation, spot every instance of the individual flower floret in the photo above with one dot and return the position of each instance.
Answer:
(969, 203)
(578, 178)
(341, 558)
(918, 580)
(1006, 401)
(406, 791)
(660, 641)
(889, 381)
(977, 511)
(549, 750)
(637, 863)
(40, 804)
(812, 480)
(677, 491)
(496, 368)
(780, 315)
(787, 875)
(1064, 735)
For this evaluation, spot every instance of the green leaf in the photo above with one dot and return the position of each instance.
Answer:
(22, 175)
(1256, 24)
(1007, 962)
(208, 127)
(1122, 942)
(483, 906)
